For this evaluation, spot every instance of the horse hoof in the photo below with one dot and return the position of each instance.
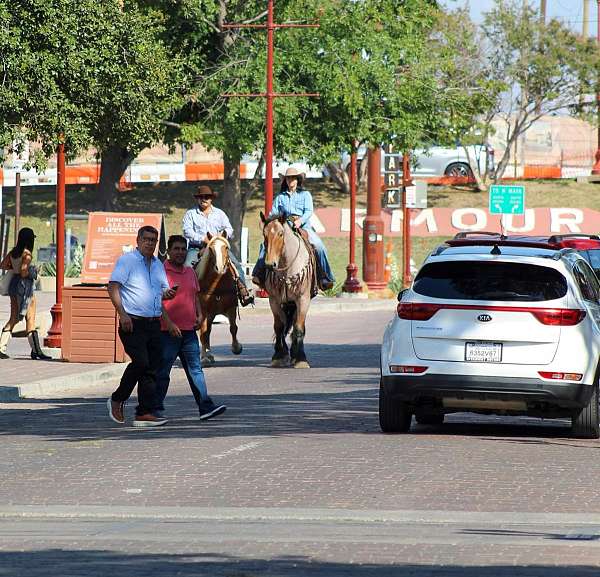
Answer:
(280, 363)
(301, 365)
(237, 349)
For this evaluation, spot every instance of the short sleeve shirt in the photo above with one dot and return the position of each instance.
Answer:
(182, 308)
(142, 286)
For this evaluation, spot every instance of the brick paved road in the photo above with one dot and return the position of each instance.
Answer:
(294, 441)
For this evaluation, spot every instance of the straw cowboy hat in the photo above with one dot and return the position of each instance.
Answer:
(291, 171)
(205, 190)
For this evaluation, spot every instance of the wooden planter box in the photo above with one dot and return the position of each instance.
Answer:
(89, 327)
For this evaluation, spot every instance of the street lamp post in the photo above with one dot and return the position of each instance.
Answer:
(54, 338)
(352, 284)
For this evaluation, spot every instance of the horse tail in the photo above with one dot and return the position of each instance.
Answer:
(290, 312)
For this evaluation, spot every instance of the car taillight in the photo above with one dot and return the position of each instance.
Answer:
(555, 376)
(407, 369)
(553, 317)
(559, 317)
(417, 311)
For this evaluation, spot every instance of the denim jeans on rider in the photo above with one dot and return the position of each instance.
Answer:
(187, 349)
(321, 251)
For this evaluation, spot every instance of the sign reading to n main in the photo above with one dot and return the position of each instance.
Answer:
(507, 199)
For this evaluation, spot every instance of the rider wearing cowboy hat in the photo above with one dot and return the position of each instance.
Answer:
(296, 202)
(205, 218)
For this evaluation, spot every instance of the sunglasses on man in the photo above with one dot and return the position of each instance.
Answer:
(203, 196)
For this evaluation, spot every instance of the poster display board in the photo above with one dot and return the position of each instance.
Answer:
(112, 234)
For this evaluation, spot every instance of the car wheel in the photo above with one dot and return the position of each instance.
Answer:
(585, 424)
(429, 419)
(394, 415)
(459, 169)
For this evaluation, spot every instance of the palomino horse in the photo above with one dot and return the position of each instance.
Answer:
(289, 278)
(218, 294)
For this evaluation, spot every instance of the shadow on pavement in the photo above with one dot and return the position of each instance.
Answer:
(319, 355)
(96, 563)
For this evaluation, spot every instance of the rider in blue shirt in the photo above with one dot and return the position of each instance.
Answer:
(296, 202)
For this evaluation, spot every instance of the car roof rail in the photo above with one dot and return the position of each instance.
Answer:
(559, 237)
(468, 233)
(439, 249)
(564, 251)
(500, 243)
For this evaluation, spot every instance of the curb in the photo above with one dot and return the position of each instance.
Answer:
(60, 384)
(288, 514)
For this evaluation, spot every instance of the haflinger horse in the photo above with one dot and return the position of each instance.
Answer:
(289, 280)
(218, 294)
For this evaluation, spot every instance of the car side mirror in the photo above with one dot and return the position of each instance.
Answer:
(401, 294)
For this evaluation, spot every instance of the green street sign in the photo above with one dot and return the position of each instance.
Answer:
(507, 199)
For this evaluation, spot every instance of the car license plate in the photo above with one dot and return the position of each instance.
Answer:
(483, 352)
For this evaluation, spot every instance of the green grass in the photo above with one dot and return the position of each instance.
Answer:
(173, 199)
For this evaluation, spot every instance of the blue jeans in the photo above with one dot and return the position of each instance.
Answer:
(188, 350)
(325, 272)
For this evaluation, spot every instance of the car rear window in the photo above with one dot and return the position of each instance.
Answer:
(490, 281)
(593, 259)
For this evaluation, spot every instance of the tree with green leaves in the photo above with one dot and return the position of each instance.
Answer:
(100, 74)
(364, 60)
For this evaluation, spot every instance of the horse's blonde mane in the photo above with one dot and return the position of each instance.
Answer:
(202, 267)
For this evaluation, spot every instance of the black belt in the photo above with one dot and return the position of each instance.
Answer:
(135, 317)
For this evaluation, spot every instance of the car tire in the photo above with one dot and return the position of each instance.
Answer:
(459, 169)
(429, 419)
(394, 415)
(585, 425)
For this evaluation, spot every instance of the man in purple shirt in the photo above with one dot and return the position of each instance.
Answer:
(204, 219)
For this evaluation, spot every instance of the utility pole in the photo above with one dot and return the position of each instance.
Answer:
(585, 31)
(270, 94)
(543, 11)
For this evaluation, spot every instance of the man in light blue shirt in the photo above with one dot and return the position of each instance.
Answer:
(205, 218)
(137, 286)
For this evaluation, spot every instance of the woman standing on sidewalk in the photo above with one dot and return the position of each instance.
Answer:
(22, 300)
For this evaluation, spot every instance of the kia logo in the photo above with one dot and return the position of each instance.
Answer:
(484, 318)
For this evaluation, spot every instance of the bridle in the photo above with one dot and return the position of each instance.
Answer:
(300, 242)
(209, 245)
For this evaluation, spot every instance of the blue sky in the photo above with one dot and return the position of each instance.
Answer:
(570, 11)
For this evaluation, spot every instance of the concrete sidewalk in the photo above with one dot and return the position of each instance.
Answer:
(20, 377)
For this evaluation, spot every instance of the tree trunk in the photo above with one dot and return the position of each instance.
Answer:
(480, 183)
(501, 167)
(233, 202)
(339, 176)
(115, 161)
(362, 173)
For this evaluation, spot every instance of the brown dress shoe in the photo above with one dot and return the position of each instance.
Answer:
(148, 420)
(115, 410)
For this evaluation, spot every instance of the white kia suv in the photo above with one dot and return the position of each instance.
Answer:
(494, 326)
